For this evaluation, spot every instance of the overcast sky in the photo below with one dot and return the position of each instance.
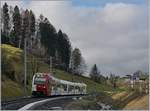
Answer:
(110, 33)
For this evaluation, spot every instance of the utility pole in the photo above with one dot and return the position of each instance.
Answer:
(25, 67)
(50, 64)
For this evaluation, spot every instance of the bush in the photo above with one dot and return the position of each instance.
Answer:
(5, 39)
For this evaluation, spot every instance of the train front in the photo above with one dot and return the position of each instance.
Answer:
(40, 85)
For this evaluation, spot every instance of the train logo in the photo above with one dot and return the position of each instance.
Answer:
(47, 85)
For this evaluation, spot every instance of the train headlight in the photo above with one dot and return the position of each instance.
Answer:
(44, 87)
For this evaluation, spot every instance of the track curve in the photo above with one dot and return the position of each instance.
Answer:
(19, 103)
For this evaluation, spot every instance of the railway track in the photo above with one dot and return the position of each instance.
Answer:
(21, 102)
(18, 103)
(53, 104)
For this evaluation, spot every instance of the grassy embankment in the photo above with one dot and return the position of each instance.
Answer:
(12, 86)
(131, 100)
(12, 83)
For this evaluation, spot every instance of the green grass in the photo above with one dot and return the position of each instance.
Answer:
(12, 56)
(10, 89)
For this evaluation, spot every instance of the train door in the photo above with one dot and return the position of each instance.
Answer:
(65, 89)
(49, 89)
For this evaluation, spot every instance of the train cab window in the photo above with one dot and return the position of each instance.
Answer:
(39, 80)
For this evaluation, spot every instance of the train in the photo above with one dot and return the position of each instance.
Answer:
(47, 85)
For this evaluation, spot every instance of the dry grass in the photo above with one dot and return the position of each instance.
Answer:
(140, 103)
(117, 96)
(131, 101)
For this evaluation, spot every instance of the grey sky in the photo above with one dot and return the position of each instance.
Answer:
(115, 36)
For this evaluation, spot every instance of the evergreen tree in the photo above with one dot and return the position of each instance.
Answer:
(48, 36)
(25, 28)
(17, 26)
(32, 26)
(32, 22)
(60, 44)
(94, 74)
(76, 60)
(6, 19)
(67, 50)
(64, 48)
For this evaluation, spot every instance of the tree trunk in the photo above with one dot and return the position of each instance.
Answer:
(19, 45)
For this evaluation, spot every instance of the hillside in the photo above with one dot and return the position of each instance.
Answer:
(12, 70)
(12, 59)
(13, 73)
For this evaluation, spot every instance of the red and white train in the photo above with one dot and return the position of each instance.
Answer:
(46, 84)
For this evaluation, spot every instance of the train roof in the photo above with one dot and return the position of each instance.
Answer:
(68, 82)
(41, 74)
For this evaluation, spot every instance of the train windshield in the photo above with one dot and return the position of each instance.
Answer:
(39, 80)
